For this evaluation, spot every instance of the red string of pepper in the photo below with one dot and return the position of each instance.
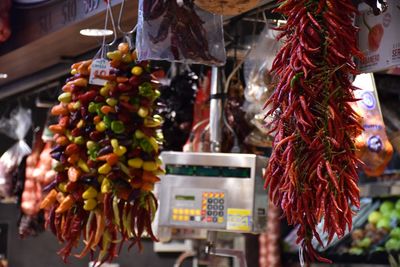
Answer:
(107, 152)
(312, 171)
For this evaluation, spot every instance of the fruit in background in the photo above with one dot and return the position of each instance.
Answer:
(375, 35)
(365, 242)
(395, 233)
(384, 223)
(386, 207)
(356, 251)
(395, 214)
(374, 217)
(392, 244)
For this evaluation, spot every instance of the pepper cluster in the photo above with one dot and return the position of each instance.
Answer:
(312, 170)
(107, 152)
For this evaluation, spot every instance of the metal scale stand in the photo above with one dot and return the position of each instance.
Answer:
(213, 192)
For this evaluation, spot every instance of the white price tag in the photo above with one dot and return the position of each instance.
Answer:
(100, 67)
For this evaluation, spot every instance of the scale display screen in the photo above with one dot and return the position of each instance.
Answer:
(181, 197)
(208, 171)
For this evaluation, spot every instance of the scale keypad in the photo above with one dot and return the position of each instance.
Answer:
(213, 207)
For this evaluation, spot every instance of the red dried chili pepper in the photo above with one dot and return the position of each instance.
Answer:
(312, 170)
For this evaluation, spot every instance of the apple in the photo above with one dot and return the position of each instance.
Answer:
(374, 217)
(395, 214)
(386, 207)
(384, 223)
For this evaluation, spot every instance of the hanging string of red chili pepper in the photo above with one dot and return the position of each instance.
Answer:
(107, 158)
(312, 171)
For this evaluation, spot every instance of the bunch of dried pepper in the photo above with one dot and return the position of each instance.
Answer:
(107, 152)
(312, 170)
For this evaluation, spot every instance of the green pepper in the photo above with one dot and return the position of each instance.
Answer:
(107, 121)
(79, 140)
(146, 90)
(117, 127)
(92, 107)
(146, 145)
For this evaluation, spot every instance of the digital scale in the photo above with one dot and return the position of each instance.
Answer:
(213, 191)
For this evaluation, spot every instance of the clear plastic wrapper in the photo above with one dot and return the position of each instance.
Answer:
(16, 127)
(178, 31)
(258, 86)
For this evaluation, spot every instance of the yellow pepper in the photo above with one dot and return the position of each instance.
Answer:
(115, 55)
(90, 204)
(137, 70)
(135, 163)
(62, 187)
(153, 143)
(139, 134)
(101, 126)
(104, 169)
(84, 167)
(106, 186)
(89, 193)
(143, 112)
(120, 151)
(65, 97)
(150, 166)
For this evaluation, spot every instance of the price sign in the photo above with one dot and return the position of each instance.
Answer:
(100, 67)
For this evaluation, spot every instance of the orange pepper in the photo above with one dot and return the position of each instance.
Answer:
(122, 79)
(63, 121)
(66, 204)
(73, 158)
(111, 158)
(97, 119)
(81, 82)
(59, 109)
(62, 140)
(107, 109)
(73, 174)
(49, 199)
(147, 187)
(56, 128)
(71, 149)
(67, 88)
(149, 177)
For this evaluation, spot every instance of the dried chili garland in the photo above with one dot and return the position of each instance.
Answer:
(312, 170)
(107, 158)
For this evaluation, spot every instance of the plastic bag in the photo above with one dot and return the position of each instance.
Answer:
(15, 127)
(373, 146)
(258, 79)
(178, 31)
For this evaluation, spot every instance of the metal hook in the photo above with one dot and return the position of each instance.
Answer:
(126, 35)
(119, 21)
(109, 13)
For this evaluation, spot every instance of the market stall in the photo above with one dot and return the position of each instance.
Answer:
(194, 133)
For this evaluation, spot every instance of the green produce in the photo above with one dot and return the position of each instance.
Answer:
(397, 205)
(392, 244)
(386, 207)
(365, 243)
(395, 214)
(374, 217)
(356, 251)
(384, 223)
(395, 233)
